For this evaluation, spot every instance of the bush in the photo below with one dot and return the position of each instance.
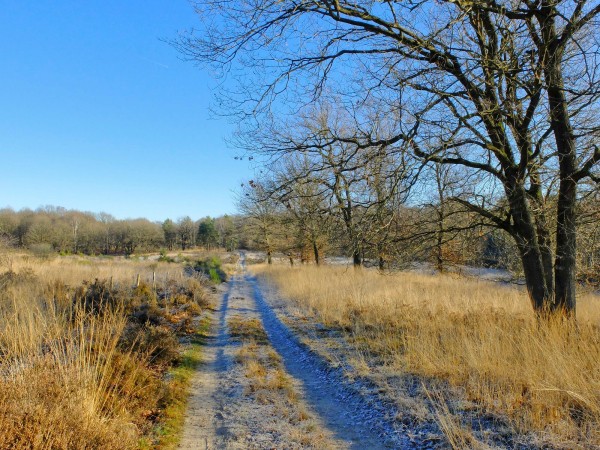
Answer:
(12, 279)
(97, 297)
(42, 250)
(155, 342)
(194, 309)
(212, 268)
(143, 293)
(147, 314)
(165, 258)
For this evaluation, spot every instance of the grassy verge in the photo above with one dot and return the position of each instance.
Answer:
(170, 430)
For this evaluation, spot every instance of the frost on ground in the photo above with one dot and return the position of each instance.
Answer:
(242, 397)
(260, 387)
(423, 413)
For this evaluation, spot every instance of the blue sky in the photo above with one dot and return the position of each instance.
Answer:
(98, 114)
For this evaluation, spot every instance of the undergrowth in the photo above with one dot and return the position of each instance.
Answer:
(94, 363)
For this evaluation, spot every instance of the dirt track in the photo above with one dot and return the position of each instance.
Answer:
(226, 412)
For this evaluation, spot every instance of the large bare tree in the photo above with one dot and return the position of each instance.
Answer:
(505, 88)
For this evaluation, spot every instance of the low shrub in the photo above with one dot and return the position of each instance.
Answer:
(158, 343)
(97, 297)
(43, 250)
(211, 267)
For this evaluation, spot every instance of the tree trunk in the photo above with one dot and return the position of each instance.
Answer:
(316, 253)
(526, 237)
(380, 256)
(534, 278)
(560, 123)
(564, 266)
(269, 257)
(439, 179)
(356, 259)
(440, 254)
(543, 233)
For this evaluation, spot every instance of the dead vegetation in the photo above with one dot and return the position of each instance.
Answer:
(479, 337)
(84, 349)
(268, 384)
(263, 367)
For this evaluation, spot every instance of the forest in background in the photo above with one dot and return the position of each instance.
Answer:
(53, 229)
(301, 229)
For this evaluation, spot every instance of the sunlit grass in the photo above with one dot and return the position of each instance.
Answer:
(73, 376)
(475, 334)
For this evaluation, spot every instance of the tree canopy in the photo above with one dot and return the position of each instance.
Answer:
(505, 89)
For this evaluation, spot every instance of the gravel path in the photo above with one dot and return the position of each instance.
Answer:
(361, 421)
(224, 414)
(204, 427)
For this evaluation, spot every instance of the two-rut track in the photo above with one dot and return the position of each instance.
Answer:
(319, 410)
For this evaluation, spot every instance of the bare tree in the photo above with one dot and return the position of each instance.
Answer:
(507, 88)
(299, 188)
(321, 177)
(264, 217)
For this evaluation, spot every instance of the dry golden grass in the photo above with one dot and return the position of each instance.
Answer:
(263, 366)
(62, 381)
(68, 377)
(73, 269)
(247, 329)
(474, 334)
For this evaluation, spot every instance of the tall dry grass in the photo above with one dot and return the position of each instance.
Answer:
(72, 270)
(61, 377)
(481, 336)
(67, 381)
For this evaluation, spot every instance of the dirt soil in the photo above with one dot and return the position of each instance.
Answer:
(301, 402)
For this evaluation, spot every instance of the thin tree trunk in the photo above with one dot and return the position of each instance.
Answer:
(316, 253)
(356, 259)
(439, 179)
(440, 254)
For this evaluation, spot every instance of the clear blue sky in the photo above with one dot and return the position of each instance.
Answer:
(98, 114)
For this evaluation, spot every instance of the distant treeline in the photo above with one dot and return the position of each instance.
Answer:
(303, 230)
(55, 229)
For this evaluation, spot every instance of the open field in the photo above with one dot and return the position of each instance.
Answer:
(475, 346)
(91, 359)
(85, 349)
(73, 269)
